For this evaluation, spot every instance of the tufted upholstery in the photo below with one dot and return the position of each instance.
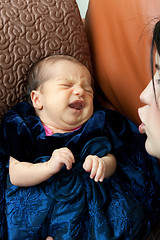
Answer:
(33, 29)
(119, 35)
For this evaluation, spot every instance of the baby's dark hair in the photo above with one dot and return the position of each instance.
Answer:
(37, 74)
(155, 44)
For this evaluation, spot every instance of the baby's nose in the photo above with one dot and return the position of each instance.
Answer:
(78, 90)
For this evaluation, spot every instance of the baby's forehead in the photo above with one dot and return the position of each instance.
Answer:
(55, 64)
(61, 68)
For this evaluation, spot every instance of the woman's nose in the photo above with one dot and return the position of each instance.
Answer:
(148, 93)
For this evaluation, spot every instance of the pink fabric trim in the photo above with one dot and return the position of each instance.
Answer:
(49, 132)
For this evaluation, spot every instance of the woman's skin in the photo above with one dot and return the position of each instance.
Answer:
(150, 113)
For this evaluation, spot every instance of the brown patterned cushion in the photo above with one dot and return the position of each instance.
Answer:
(30, 30)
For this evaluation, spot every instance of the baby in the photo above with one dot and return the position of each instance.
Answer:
(62, 96)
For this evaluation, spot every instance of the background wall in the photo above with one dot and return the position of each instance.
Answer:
(83, 5)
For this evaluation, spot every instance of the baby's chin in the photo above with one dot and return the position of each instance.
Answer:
(76, 121)
(73, 127)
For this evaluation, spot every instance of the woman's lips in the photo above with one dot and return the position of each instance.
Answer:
(141, 128)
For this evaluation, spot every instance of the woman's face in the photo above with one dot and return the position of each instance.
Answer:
(150, 113)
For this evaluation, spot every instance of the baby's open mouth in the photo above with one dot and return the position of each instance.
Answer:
(78, 105)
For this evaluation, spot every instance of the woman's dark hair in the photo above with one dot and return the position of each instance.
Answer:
(155, 44)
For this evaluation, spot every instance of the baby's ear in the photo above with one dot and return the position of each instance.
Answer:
(36, 100)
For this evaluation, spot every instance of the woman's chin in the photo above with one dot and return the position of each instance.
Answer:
(150, 150)
(148, 147)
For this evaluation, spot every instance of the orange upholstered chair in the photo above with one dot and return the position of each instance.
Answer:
(119, 35)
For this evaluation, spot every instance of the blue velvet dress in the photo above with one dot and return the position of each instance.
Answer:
(70, 205)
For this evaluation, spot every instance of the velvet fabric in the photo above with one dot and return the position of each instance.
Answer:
(70, 205)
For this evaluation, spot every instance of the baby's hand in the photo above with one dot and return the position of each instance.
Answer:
(59, 158)
(96, 166)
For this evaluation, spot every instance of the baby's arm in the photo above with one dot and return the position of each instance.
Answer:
(100, 168)
(26, 174)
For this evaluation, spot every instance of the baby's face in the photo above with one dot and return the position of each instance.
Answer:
(66, 97)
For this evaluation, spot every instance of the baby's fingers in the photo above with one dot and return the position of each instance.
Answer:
(67, 158)
(69, 155)
(60, 157)
(87, 165)
(95, 165)
(100, 172)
